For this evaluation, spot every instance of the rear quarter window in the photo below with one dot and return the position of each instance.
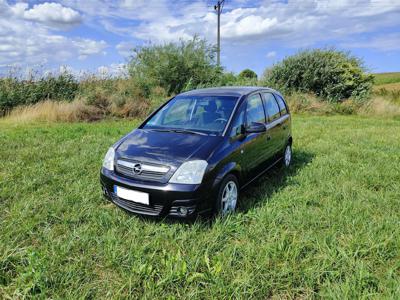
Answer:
(282, 104)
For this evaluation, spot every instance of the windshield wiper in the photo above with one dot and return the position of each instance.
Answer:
(188, 131)
(179, 131)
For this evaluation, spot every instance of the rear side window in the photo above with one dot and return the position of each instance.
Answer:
(271, 107)
(282, 105)
(254, 110)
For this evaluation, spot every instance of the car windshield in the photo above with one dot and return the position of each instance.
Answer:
(195, 114)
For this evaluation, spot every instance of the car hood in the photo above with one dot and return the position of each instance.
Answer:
(166, 147)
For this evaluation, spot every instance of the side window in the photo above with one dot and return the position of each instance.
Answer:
(237, 123)
(281, 104)
(271, 107)
(254, 110)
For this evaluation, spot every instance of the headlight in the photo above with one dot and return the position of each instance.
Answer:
(108, 162)
(190, 172)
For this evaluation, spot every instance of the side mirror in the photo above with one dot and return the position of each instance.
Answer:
(256, 128)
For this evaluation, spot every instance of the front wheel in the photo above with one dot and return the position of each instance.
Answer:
(287, 156)
(228, 195)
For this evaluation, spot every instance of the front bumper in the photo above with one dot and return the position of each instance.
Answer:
(175, 200)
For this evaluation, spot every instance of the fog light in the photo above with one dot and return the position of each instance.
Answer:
(183, 211)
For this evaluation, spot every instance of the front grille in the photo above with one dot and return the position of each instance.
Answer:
(152, 172)
(153, 210)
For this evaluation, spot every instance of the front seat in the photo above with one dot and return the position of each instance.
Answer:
(210, 114)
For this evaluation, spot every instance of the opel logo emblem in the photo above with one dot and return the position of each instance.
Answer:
(137, 169)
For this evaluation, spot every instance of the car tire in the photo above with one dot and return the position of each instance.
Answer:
(287, 156)
(228, 196)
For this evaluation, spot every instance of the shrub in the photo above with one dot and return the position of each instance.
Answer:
(119, 97)
(330, 74)
(174, 66)
(15, 91)
(248, 74)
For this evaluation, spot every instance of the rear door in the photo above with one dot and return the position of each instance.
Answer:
(273, 123)
(284, 121)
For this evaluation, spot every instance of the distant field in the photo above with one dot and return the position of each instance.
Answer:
(388, 86)
(326, 228)
(387, 78)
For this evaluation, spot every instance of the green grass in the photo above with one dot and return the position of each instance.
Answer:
(328, 227)
(386, 78)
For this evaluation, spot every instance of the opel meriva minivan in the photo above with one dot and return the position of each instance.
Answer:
(193, 154)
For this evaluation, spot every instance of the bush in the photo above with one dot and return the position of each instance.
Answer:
(330, 74)
(14, 91)
(248, 74)
(175, 66)
(118, 97)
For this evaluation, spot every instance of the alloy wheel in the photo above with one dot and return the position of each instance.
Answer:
(229, 198)
(288, 155)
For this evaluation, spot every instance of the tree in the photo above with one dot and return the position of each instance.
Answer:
(175, 66)
(247, 74)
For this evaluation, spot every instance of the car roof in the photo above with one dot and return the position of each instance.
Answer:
(228, 91)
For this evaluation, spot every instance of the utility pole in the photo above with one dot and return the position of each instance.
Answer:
(218, 7)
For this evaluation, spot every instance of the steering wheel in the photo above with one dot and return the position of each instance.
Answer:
(220, 120)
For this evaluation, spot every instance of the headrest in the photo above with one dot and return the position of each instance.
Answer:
(211, 107)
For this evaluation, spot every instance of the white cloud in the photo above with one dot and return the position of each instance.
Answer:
(125, 49)
(28, 42)
(292, 23)
(28, 34)
(155, 20)
(87, 47)
(248, 26)
(271, 54)
(53, 14)
(113, 70)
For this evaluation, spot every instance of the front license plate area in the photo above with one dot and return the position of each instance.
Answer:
(131, 195)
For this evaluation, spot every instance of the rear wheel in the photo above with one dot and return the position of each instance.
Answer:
(228, 195)
(287, 156)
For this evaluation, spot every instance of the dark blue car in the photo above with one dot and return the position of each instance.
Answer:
(194, 154)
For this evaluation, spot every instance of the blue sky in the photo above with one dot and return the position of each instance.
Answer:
(97, 36)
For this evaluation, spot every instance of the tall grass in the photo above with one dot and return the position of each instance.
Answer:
(389, 91)
(54, 111)
(94, 99)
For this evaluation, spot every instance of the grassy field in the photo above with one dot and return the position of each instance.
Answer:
(327, 227)
(387, 78)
